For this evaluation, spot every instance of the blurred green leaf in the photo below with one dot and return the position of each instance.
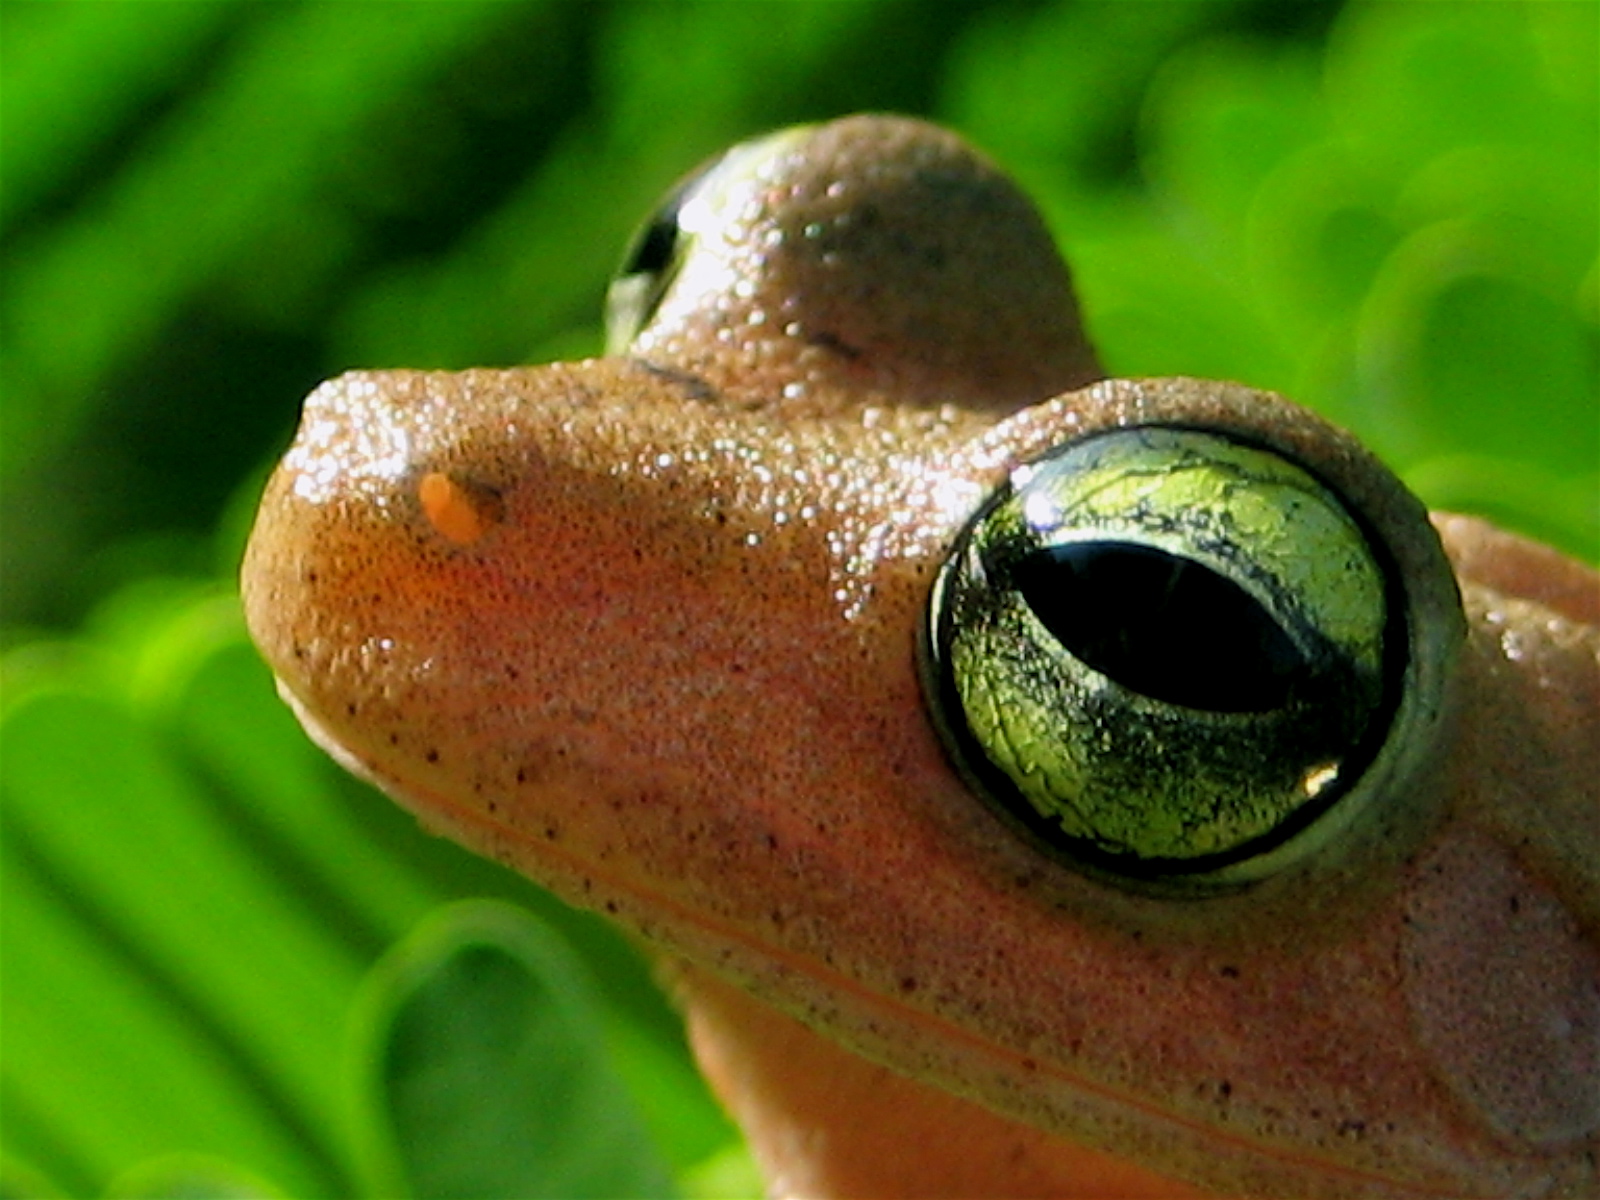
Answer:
(192, 895)
(190, 1177)
(19, 1181)
(480, 1053)
(251, 1029)
(77, 73)
(212, 180)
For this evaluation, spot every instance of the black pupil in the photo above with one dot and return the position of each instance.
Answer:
(655, 245)
(1163, 626)
(652, 250)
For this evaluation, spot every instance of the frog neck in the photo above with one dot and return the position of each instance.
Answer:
(825, 1122)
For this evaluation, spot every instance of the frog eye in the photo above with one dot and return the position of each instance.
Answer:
(712, 199)
(1166, 653)
(648, 268)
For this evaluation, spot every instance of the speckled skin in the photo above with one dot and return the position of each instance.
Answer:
(675, 679)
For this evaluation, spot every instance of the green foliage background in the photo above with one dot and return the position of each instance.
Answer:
(1386, 210)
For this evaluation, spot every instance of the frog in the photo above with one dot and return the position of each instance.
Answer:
(1032, 782)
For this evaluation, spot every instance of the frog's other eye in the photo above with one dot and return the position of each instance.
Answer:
(1167, 653)
(687, 227)
(650, 265)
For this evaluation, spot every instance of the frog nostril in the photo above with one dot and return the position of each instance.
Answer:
(462, 512)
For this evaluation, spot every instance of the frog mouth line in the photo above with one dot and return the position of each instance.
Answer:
(439, 813)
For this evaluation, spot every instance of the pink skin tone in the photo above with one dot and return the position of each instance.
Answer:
(645, 629)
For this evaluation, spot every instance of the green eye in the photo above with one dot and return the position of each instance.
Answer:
(707, 199)
(648, 268)
(1166, 653)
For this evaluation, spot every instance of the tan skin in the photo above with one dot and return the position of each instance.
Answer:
(646, 628)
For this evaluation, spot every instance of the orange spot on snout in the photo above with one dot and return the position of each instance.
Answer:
(461, 512)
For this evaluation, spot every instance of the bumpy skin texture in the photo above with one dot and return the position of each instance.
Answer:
(656, 647)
